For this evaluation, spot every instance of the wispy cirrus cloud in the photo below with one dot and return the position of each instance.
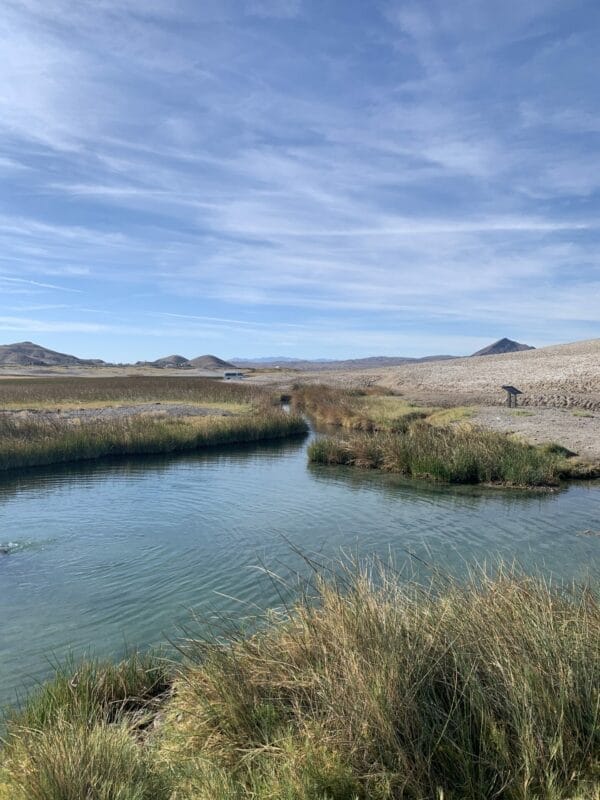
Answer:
(265, 165)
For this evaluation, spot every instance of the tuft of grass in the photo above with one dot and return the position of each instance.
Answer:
(77, 736)
(78, 762)
(27, 442)
(379, 690)
(368, 688)
(461, 454)
(95, 690)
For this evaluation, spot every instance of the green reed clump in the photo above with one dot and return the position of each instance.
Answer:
(462, 454)
(357, 409)
(26, 442)
(95, 690)
(380, 690)
(78, 736)
(369, 688)
(330, 405)
(77, 762)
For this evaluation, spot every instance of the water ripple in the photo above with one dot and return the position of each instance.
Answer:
(118, 552)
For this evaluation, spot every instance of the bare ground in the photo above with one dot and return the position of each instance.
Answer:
(564, 376)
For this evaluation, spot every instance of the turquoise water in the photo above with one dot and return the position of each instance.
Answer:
(112, 554)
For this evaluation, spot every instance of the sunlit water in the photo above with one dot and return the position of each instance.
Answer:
(116, 554)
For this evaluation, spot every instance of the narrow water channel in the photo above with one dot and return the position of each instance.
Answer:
(112, 554)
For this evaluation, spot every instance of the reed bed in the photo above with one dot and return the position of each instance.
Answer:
(461, 454)
(356, 409)
(57, 392)
(369, 688)
(29, 441)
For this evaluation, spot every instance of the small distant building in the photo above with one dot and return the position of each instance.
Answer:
(511, 395)
(231, 375)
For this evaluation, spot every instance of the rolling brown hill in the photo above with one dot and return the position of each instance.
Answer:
(210, 362)
(170, 361)
(29, 354)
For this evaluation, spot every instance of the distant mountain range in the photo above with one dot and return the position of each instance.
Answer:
(324, 364)
(28, 354)
(497, 348)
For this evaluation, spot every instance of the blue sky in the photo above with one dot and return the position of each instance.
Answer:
(334, 178)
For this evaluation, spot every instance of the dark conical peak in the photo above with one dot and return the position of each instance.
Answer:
(503, 345)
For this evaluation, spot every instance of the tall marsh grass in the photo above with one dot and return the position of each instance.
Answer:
(462, 454)
(78, 737)
(370, 688)
(27, 442)
(356, 409)
(59, 391)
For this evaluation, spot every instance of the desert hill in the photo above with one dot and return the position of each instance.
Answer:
(503, 346)
(206, 362)
(29, 354)
(170, 361)
(210, 362)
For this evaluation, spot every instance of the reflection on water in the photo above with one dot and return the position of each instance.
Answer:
(108, 553)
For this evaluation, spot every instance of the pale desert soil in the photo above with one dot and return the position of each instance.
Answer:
(564, 376)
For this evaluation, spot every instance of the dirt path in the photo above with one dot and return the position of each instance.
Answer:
(579, 431)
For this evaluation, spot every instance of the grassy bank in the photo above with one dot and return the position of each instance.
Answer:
(461, 454)
(27, 442)
(431, 443)
(374, 690)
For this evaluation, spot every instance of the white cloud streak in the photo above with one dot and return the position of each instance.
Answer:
(168, 153)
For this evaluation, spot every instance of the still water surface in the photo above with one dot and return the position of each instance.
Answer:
(110, 554)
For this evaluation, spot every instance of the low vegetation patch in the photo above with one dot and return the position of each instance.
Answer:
(356, 409)
(372, 690)
(460, 454)
(29, 441)
(76, 392)
(33, 439)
